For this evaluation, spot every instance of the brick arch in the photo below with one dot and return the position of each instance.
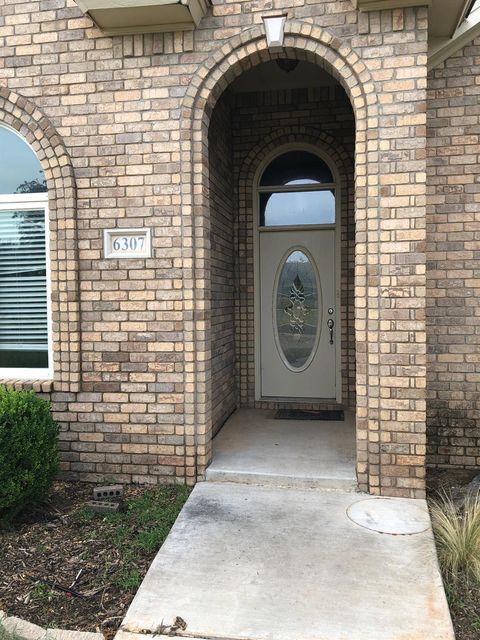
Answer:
(298, 135)
(303, 41)
(23, 116)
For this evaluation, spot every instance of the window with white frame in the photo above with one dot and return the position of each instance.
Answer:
(25, 327)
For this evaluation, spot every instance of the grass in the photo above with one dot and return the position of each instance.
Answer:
(103, 556)
(140, 528)
(457, 533)
(41, 592)
(7, 635)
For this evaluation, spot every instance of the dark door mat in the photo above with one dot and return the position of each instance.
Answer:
(301, 414)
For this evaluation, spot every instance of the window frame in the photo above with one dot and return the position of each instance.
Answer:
(289, 188)
(22, 202)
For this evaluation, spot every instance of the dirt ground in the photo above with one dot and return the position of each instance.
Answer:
(61, 544)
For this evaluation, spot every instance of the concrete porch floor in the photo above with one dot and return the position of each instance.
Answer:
(253, 447)
(246, 562)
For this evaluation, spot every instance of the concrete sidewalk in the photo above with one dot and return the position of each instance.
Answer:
(246, 562)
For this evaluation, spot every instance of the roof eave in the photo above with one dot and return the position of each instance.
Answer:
(443, 48)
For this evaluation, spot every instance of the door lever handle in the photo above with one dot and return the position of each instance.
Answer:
(330, 325)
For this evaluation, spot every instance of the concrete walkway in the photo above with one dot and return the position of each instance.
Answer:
(246, 562)
(254, 447)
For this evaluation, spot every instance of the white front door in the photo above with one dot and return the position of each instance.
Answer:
(298, 322)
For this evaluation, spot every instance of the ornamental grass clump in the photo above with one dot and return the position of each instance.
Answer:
(28, 451)
(457, 533)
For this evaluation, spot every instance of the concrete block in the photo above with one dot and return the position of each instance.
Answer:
(64, 634)
(23, 629)
(103, 506)
(110, 492)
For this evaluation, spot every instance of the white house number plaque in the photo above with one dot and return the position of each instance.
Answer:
(127, 243)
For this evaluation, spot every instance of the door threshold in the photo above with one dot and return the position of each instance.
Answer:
(310, 414)
(310, 401)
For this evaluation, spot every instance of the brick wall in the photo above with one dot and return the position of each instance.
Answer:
(121, 128)
(453, 254)
(223, 259)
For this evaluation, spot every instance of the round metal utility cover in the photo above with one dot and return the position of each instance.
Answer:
(394, 516)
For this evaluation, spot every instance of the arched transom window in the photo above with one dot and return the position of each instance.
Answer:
(297, 188)
(24, 280)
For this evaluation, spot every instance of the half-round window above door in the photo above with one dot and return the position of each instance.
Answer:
(297, 188)
(296, 168)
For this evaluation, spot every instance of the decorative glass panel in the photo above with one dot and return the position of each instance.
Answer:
(297, 207)
(297, 309)
(23, 290)
(296, 167)
(20, 170)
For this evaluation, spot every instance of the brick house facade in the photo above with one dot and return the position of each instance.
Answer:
(166, 131)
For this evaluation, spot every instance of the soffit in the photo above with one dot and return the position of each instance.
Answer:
(441, 48)
(118, 17)
(375, 5)
(444, 16)
(448, 28)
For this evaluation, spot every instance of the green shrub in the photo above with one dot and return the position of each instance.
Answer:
(28, 450)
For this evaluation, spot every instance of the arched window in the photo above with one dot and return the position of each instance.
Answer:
(297, 188)
(24, 278)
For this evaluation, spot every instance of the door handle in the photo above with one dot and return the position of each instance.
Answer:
(330, 325)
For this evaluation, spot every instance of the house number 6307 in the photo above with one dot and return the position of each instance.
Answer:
(127, 243)
(131, 243)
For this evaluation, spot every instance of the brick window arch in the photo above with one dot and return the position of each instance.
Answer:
(33, 126)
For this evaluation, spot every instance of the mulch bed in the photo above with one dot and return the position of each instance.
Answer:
(61, 538)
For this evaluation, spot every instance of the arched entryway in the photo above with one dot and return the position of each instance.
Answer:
(222, 372)
(281, 165)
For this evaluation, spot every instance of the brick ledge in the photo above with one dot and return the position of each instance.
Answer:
(42, 386)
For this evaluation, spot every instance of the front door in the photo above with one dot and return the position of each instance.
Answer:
(298, 319)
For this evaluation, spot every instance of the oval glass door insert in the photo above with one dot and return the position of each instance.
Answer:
(297, 312)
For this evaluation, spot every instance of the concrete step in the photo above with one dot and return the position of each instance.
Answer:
(255, 448)
(216, 474)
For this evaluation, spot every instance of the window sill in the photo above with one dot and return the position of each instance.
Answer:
(41, 386)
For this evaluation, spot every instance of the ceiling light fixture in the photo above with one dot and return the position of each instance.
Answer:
(287, 64)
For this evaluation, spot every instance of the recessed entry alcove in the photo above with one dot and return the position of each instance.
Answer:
(281, 145)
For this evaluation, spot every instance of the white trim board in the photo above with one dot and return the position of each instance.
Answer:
(27, 202)
(380, 5)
